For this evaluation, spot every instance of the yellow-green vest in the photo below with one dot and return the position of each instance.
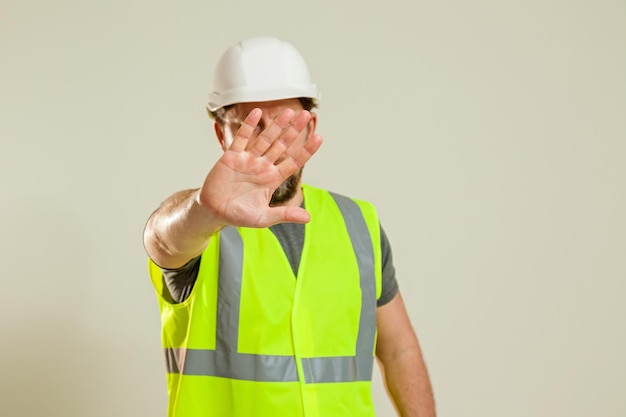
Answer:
(253, 340)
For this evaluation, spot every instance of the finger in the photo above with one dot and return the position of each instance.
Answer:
(293, 214)
(288, 137)
(308, 150)
(246, 130)
(258, 146)
(293, 163)
(282, 214)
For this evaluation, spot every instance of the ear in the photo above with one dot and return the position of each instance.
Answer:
(312, 125)
(219, 132)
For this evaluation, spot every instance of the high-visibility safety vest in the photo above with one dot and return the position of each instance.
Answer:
(253, 340)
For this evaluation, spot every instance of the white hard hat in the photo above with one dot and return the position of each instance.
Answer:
(260, 69)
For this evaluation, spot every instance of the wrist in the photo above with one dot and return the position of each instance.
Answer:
(204, 215)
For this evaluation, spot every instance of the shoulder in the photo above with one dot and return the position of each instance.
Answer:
(315, 192)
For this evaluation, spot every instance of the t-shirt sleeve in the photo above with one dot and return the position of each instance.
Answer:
(180, 281)
(390, 283)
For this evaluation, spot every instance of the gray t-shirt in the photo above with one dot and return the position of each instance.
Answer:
(180, 281)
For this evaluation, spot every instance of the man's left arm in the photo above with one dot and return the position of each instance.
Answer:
(401, 362)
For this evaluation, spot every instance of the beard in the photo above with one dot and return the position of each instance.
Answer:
(287, 189)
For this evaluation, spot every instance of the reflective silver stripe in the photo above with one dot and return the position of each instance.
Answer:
(344, 369)
(174, 360)
(232, 365)
(330, 369)
(229, 290)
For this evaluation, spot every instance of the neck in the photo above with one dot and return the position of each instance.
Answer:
(297, 199)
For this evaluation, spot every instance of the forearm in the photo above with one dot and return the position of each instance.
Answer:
(408, 384)
(179, 230)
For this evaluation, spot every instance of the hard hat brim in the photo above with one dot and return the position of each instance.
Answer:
(245, 95)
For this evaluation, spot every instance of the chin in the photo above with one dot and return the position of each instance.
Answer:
(287, 190)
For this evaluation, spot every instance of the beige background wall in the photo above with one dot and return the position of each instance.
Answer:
(490, 134)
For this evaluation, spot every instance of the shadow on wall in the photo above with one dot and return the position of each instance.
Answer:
(49, 362)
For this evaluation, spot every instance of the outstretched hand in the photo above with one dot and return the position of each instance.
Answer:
(239, 187)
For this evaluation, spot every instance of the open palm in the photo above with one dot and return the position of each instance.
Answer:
(239, 187)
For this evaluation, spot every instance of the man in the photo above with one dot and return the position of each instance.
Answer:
(275, 296)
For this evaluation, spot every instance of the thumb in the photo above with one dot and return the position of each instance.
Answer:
(287, 214)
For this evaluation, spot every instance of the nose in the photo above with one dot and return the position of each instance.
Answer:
(268, 118)
(265, 121)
